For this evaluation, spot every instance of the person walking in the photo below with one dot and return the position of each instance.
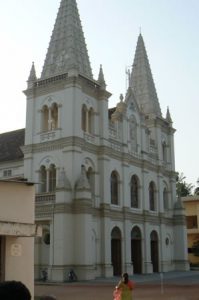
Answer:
(123, 290)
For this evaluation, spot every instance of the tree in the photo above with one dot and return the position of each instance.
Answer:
(183, 188)
(196, 191)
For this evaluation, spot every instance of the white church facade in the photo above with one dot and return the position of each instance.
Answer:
(106, 187)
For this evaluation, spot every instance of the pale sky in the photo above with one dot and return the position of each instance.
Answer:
(111, 28)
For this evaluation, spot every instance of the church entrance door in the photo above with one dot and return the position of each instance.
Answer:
(154, 251)
(136, 250)
(116, 255)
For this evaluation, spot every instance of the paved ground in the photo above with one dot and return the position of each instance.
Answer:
(167, 286)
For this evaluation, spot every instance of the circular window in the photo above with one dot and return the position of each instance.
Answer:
(46, 238)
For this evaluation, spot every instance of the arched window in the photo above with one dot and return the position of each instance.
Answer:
(43, 179)
(46, 237)
(164, 151)
(90, 176)
(45, 114)
(54, 116)
(152, 196)
(84, 117)
(47, 179)
(87, 119)
(49, 117)
(114, 188)
(90, 120)
(52, 178)
(134, 192)
(165, 199)
(133, 133)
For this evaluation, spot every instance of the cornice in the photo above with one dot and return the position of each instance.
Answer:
(179, 220)
(63, 81)
(105, 210)
(81, 145)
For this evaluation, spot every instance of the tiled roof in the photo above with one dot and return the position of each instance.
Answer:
(10, 143)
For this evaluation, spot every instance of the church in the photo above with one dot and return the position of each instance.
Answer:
(105, 177)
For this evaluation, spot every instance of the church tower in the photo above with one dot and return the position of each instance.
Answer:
(105, 177)
(63, 116)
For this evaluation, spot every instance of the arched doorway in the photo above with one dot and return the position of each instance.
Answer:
(154, 251)
(116, 255)
(136, 250)
(2, 258)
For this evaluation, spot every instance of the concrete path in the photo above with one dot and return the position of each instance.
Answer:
(171, 285)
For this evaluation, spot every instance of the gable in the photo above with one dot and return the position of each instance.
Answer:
(133, 110)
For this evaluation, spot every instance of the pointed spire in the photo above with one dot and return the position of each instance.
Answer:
(67, 49)
(168, 116)
(32, 77)
(142, 81)
(101, 80)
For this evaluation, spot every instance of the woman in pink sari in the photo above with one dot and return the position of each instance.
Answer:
(123, 290)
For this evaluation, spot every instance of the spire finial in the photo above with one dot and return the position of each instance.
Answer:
(32, 77)
(168, 116)
(101, 79)
(121, 97)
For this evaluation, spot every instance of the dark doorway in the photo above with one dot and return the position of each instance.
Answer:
(154, 251)
(136, 250)
(116, 255)
(2, 258)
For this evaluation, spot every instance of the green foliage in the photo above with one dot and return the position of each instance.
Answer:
(196, 191)
(183, 188)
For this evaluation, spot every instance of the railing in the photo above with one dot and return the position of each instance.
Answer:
(89, 138)
(116, 146)
(45, 198)
(51, 80)
(153, 150)
(113, 133)
(47, 136)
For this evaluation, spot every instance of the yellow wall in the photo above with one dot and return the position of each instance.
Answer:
(17, 202)
(16, 211)
(191, 204)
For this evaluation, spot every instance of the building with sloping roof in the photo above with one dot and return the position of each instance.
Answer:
(106, 195)
(191, 205)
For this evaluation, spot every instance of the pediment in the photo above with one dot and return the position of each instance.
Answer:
(131, 104)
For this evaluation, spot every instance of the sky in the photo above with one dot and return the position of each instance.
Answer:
(170, 29)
